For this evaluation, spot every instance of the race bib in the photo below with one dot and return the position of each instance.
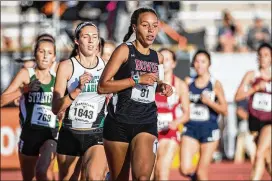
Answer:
(83, 114)
(163, 120)
(144, 93)
(42, 115)
(199, 112)
(262, 102)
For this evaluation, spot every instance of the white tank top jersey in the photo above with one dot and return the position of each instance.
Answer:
(88, 104)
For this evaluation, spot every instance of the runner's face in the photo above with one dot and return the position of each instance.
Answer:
(264, 57)
(147, 28)
(88, 41)
(201, 64)
(45, 55)
(168, 61)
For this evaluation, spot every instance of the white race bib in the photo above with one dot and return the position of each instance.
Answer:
(144, 93)
(262, 102)
(163, 120)
(83, 114)
(42, 115)
(199, 112)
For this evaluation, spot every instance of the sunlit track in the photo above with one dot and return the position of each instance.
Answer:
(219, 171)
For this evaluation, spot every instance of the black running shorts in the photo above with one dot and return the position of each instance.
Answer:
(77, 142)
(117, 131)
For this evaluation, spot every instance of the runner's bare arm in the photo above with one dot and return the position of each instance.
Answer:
(60, 101)
(14, 89)
(106, 83)
(185, 101)
(242, 92)
(221, 107)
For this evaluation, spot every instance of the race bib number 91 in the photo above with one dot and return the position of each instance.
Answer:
(199, 112)
(143, 93)
(43, 116)
(262, 102)
(83, 114)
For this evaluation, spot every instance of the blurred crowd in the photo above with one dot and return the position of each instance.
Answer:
(111, 18)
(231, 37)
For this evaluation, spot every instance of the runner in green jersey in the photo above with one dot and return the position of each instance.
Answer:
(37, 145)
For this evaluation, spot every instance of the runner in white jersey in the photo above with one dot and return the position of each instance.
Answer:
(37, 144)
(80, 146)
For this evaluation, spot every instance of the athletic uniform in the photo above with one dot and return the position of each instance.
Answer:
(133, 110)
(38, 122)
(82, 125)
(259, 106)
(169, 109)
(203, 120)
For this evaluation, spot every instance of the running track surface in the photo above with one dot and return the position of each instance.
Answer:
(217, 171)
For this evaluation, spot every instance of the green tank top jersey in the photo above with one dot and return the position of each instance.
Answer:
(36, 107)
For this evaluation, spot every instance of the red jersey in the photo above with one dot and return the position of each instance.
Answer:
(169, 108)
(260, 102)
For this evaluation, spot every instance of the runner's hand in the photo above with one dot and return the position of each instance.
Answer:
(205, 98)
(166, 89)
(148, 79)
(33, 86)
(173, 125)
(83, 79)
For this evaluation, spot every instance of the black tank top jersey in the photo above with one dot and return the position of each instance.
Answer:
(125, 106)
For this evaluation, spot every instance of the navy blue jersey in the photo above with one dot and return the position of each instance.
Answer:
(199, 112)
(135, 105)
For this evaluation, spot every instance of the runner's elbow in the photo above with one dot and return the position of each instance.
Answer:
(101, 88)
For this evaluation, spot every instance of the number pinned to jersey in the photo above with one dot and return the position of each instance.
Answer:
(83, 114)
(262, 102)
(143, 93)
(43, 116)
(199, 112)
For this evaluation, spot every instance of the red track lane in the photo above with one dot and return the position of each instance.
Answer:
(218, 171)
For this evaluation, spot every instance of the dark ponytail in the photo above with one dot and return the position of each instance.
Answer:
(129, 33)
(134, 19)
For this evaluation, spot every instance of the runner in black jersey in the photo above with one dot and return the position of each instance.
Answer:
(130, 130)
(37, 145)
(80, 137)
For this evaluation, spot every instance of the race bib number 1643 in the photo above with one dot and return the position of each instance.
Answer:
(83, 114)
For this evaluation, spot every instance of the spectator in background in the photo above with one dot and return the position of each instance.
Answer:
(240, 38)
(258, 34)
(226, 34)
